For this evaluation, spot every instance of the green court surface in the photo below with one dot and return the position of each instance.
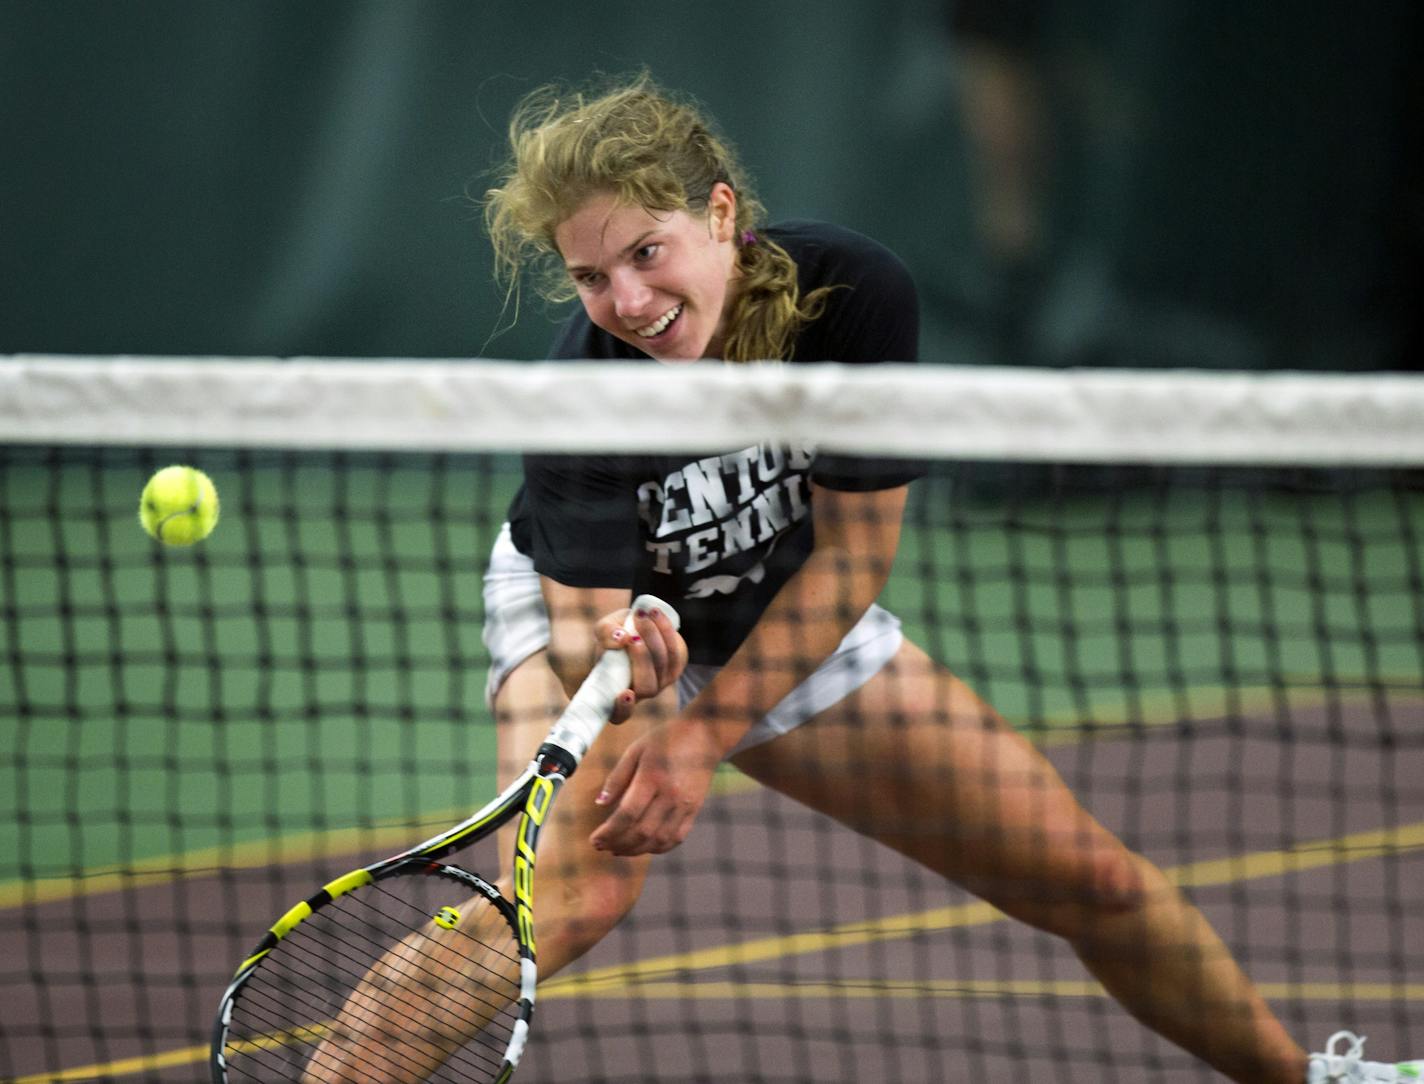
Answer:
(307, 665)
(316, 665)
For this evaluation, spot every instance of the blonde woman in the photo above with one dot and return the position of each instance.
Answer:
(630, 202)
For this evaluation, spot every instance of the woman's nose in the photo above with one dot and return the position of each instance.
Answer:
(630, 297)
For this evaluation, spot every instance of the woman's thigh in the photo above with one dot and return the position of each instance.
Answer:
(916, 760)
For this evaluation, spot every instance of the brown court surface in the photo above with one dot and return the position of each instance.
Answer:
(850, 965)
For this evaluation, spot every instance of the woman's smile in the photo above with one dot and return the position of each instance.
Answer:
(660, 325)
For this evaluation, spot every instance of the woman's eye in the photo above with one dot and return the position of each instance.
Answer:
(646, 253)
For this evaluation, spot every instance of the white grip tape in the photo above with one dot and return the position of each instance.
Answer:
(588, 711)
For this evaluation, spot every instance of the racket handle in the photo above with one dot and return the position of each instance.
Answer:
(587, 714)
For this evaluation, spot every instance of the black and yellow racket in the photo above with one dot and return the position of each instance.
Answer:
(410, 969)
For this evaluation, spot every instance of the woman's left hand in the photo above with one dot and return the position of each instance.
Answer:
(657, 788)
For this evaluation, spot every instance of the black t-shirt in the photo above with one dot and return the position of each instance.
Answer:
(718, 534)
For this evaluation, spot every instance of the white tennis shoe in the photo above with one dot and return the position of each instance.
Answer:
(1351, 1067)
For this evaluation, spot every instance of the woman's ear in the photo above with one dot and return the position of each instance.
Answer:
(722, 211)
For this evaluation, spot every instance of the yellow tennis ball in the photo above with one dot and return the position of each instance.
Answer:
(179, 506)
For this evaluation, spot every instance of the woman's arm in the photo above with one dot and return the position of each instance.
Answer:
(660, 783)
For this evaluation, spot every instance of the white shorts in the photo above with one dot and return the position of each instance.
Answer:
(517, 625)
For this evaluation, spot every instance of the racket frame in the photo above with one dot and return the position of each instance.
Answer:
(529, 798)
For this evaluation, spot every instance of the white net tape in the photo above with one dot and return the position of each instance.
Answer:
(1128, 416)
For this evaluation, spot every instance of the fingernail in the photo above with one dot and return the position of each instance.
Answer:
(636, 640)
(640, 613)
(618, 634)
(602, 799)
(629, 696)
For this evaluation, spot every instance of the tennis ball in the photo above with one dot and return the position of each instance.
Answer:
(179, 506)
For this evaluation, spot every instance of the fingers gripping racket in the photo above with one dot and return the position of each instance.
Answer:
(410, 969)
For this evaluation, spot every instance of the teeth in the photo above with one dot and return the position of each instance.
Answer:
(659, 325)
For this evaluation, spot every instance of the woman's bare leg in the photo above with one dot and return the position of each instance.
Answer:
(915, 760)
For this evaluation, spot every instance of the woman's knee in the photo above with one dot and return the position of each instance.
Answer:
(1105, 883)
(1118, 884)
(590, 903)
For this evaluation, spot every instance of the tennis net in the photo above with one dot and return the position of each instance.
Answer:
(1201, 596)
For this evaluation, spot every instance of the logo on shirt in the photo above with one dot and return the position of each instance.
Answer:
(723, 515)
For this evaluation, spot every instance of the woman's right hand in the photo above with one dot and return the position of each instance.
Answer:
(656, 651)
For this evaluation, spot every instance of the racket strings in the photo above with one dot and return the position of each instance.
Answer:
(277, 1017)
(362, 948)
(370, 973)
(494, 972)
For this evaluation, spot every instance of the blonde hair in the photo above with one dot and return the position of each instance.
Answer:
(651, 150)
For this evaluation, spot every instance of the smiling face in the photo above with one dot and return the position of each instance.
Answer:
(660, 281)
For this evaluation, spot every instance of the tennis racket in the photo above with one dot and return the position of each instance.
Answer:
(411, 969)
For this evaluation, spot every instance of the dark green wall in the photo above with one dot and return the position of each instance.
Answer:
(290, 177)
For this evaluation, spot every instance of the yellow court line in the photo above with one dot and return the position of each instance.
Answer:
(1356, 992)
(170, 1059)
(1299, 859)
(608, 981)
(165, 869)
(1152, 708)
(298, 848)
(189, 1055)
(950, 989)
(959, 989)
(646, 977)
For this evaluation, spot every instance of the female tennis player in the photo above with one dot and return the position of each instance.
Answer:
(775, 556)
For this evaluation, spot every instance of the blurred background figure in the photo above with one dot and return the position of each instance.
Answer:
(1194, 185)
(1001, 85)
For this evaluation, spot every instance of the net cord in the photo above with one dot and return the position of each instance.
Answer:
(948, 412)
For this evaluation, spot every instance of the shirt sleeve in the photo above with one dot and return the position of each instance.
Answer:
(872, 317)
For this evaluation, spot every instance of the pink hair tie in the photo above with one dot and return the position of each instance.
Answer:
(749, 237)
